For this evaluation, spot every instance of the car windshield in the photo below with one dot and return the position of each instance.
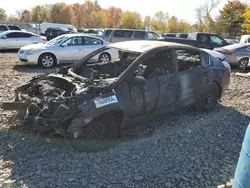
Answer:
(113, 69)
(56, 40)
(2, 34)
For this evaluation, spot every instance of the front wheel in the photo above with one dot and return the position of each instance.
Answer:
(242, 64)
(97, 135)
(210, 96)
(104, 58)
(47, 60)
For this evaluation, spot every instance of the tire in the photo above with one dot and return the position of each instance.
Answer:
(89, 142)
(242, 64)
(47, 60)
(210, 96)
(104, 58)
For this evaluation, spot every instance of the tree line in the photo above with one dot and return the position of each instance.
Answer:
(233, 19)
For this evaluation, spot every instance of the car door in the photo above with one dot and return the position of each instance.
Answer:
(159, 89)
(24, 39)
(194, 72)
(91, 44)
(71, 50)
(11, 40)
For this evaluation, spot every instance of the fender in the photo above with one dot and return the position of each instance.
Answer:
(92, 109)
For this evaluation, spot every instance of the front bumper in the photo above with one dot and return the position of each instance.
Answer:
(28, 59)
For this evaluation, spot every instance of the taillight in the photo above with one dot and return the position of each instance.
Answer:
(110, 40)
(228, 52)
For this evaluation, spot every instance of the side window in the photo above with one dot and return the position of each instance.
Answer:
(25, 35)
(74, 41)
(92, 41)
(203, 38)
(187, 59)
(139, 35)
(157, 65)
(215, 39)
(3, 28)
(13, 35)
(123, 33)
(152, 36)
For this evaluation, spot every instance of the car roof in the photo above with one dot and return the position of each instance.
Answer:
(81, 34)
(144, 46)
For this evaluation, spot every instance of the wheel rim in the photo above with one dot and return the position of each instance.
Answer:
(47, 61)
(243, 64)
(104, 58)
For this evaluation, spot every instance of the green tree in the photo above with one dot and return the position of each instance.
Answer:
(160, 21)
(130, 20)
(40, 14)
(57, 13)
(3, 15)
(231, 18)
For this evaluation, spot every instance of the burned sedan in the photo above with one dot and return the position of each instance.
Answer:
(149, 79)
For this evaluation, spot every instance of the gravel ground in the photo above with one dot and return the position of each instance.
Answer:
(183, 150)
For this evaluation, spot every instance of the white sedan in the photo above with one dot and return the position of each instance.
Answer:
(65, 49)
(17, 39)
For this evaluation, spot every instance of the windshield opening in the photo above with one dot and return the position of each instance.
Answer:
(92, 67)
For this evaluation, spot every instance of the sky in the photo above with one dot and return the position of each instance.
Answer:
(182, 9)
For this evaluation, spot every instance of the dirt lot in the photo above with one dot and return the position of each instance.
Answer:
(184, 150)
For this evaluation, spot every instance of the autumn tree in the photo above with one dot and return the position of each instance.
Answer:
(203, 14)
(3, 15)
(12, 18)
(24, 15)
(112, 17)
(160, 20)
(130, 20)
(57, 13)
(246, 24)
(231, 18)
(40, 14)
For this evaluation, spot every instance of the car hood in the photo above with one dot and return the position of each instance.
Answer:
(36, 46)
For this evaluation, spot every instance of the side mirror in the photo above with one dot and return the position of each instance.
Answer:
(139, 79)
(64, 45)
(4, 37)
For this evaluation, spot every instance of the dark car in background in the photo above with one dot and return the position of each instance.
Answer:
(52, 33)
(236, 54)
(200, 40)
(150, 79)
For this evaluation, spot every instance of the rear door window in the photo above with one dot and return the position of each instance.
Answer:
(123, 34)
(25, 35)
(139, 35)
(187, 59)
(92, 41)
(13, 35)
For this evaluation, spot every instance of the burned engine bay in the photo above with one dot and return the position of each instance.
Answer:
(48, 103)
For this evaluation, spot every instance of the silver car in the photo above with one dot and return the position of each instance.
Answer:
(18, 39)
(236, 55)
(65, 49)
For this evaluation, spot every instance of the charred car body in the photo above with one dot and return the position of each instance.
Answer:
(149, 79)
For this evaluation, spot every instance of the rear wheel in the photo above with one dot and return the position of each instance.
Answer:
(104, 58)
(242, 64)
(210, 96)
(47, 60)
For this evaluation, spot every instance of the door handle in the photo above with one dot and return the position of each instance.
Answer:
(205, 73)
